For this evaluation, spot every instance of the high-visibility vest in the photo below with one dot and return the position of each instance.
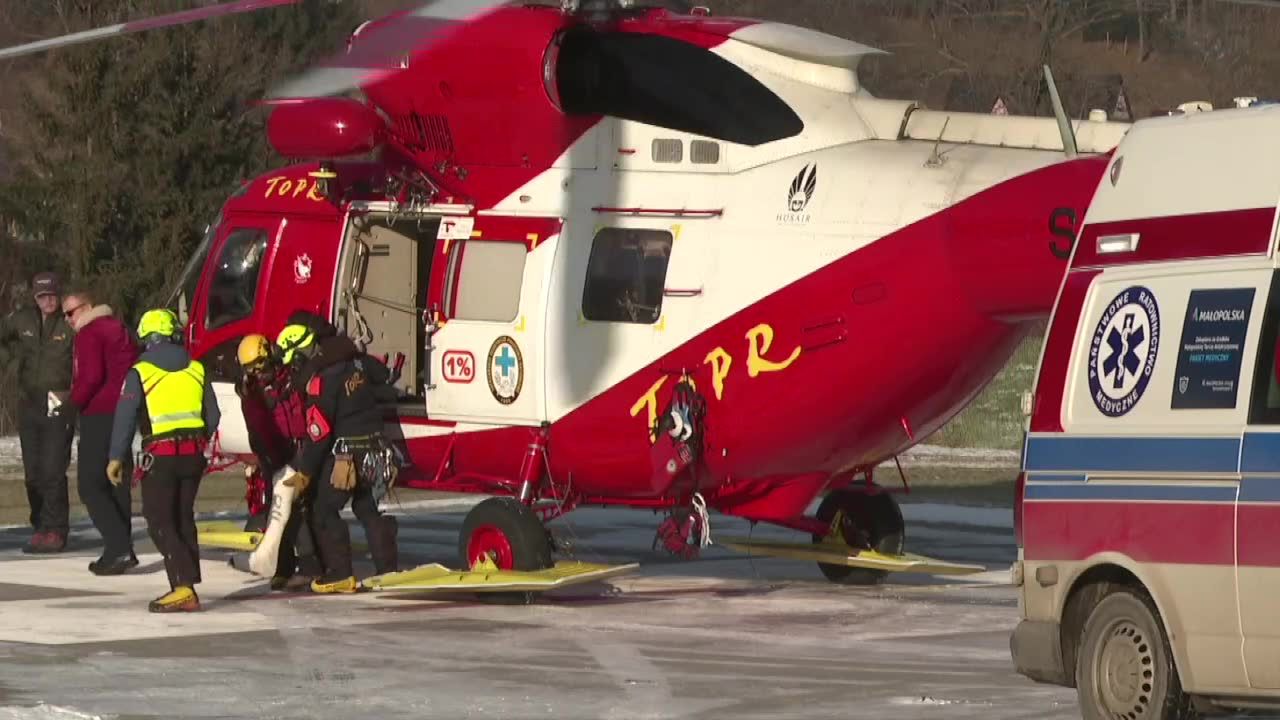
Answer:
(175, 400)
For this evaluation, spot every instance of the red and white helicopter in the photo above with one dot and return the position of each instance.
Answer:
(639, 257)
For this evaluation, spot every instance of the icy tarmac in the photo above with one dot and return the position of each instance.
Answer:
(725, 636)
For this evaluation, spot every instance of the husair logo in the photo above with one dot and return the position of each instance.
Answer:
(800, 194)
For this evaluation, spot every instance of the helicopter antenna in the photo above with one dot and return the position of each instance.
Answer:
(1064, 125)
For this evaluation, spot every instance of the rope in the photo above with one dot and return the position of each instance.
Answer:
(704, 520)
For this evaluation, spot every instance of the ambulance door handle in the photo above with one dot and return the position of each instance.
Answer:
(429, 327)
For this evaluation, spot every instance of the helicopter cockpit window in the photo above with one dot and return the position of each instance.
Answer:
(183, 295)
(234, 287)
(626, 274)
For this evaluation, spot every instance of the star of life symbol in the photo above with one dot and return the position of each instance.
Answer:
(1123, 353)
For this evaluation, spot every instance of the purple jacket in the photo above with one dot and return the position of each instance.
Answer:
(104, 352)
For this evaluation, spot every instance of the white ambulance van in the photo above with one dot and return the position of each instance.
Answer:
(1148, 506)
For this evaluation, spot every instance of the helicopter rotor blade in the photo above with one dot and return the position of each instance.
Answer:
(382, 49)
(179, 18)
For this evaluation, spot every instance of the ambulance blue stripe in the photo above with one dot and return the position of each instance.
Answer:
(1055, 478)
(1261, 490)
(1108, 491)
(1113, 454)
(1261, 453)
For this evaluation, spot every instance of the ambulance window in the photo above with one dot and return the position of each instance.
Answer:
(234, 286)
(626, 274)
(484, 279)
(1264, 405)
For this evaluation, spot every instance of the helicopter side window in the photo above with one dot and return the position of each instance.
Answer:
(626, 274)
(484, 279)
(234, 287)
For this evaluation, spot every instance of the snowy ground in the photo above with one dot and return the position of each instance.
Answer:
(724, 636)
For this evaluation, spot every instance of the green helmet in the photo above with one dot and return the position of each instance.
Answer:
(158, 322)
(295, 338)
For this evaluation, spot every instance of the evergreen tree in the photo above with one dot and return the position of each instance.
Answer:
(124, 149)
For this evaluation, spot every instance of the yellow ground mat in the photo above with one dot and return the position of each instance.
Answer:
(834, 554)
(488, 578)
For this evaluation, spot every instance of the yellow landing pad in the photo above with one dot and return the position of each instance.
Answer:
(488, 578)
(832, 554)
(226, 534)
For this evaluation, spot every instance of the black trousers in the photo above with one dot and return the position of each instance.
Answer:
(46, 454)
(332, 535)
(109, 506)
(169, 505)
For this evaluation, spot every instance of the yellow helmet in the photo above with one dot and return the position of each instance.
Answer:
(292, 339)
(254, 350)
(158, 322)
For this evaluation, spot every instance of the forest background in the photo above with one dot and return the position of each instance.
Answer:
(115, 155)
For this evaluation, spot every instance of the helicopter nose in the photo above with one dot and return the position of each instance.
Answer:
(1010, 244)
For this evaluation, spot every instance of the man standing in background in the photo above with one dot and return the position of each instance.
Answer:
(104, 354)
(40, 341)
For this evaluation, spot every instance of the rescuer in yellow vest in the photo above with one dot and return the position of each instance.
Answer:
(168, 397)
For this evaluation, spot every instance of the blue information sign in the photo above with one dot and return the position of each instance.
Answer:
(1209, 355)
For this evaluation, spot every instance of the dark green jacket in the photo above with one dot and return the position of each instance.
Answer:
(42, 350)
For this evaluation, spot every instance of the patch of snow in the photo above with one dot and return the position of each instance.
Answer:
(928, 700)
(938, 456)
(44, 712)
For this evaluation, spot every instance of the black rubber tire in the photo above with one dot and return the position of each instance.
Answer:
(530, 544)
(529, 540)
(872, 522)
(1128, 624)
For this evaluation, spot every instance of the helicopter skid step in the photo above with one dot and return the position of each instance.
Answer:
(488, 578)
(833, 554)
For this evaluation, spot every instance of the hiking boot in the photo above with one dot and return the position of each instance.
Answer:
(180, 599)
(298, 583)
(113, 566)
(54, 542)
(37, 544)
(342, 585)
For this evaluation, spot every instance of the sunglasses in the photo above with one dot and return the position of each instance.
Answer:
(72, 311)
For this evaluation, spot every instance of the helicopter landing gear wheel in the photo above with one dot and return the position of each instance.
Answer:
(864, 522)
(509, 534)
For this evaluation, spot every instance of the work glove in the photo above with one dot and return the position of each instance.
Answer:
(115, 472)
(298, 480)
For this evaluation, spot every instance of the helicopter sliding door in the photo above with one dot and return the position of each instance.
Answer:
(381, 288)
(485, 349)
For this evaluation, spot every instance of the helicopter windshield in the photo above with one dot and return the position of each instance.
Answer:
(184, 292)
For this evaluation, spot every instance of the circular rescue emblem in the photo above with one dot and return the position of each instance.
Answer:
(1123, 352)
(302, 269)
(506, 370)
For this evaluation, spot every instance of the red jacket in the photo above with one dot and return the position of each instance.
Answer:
(273, 417)
(103, 353)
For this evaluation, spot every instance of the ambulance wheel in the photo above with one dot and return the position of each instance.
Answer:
(868, 522)
(1124, 668)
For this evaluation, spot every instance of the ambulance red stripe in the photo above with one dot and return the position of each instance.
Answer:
(1181, 237)
(1148, 532)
